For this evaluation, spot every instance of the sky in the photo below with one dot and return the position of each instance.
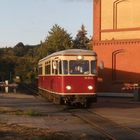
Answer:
(29, 21)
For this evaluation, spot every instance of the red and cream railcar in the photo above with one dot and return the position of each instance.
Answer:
(69, 76)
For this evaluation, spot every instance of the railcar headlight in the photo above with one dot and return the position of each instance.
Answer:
(79, 57)
(90, 87)
(68, 87)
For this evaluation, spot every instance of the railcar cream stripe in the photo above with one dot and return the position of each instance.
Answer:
(67, 93)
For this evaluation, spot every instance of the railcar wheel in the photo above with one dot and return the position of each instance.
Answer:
(86, 103)
(62, 102)
(57, 99)
(94, 99)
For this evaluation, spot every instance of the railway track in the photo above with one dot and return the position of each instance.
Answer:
(108, 129)
(27, 89)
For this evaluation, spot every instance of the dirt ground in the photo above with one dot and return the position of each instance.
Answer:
(27, 117)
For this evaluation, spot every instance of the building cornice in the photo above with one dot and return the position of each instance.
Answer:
(116, 42)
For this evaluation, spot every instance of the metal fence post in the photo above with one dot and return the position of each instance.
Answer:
(6, 87)
(137, 94)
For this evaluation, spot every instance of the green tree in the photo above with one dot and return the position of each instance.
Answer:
(58, 39)
(25, 69)
(42, 50)
(20, 50)
(7, 66)
(81, 41)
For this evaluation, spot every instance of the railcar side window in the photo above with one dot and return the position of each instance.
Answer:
(93, 67)
(52, 67)
(60, 67)
(47, 68)
(55, 67)
(40, 70)
(65, 66)
(79, 66)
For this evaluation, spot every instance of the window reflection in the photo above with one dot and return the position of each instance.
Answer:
(65, 66)
(93, 67)
(79, 66)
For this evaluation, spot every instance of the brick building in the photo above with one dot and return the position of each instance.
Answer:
(116, 38)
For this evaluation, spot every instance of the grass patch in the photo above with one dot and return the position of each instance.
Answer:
(55, 136)
(19, 112)
(33, 113)
(29, 112)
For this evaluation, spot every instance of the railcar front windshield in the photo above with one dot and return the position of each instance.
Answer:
(74, 67)
(79, 67)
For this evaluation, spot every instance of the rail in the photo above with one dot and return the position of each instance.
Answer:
(28, 89)
(107, 128)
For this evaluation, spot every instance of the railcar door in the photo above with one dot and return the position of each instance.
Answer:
(57, 75)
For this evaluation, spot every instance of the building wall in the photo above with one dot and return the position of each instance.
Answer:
(117, 42)
(120, 19)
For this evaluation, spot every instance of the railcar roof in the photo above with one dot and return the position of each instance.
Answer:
(70, 52)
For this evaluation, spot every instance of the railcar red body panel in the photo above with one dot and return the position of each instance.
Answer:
(79, 84)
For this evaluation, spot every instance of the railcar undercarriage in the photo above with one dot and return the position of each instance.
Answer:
(73, 100)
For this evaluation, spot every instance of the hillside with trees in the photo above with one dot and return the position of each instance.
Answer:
(22, 60)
